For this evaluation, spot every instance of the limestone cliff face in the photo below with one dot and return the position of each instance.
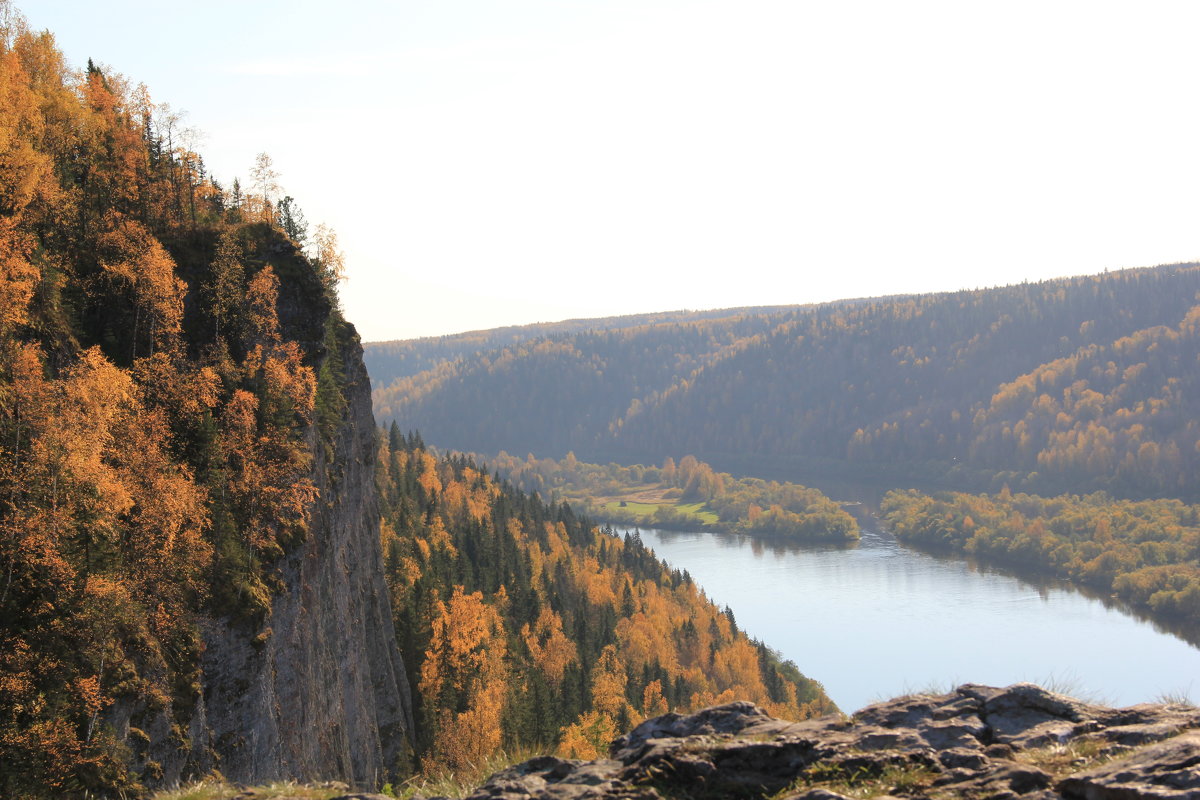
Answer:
(320, 691)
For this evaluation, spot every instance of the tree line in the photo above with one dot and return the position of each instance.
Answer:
(1146, 552)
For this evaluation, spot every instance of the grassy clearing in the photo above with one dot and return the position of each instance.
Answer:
(695, 511)
(454, 784)
(634, 507)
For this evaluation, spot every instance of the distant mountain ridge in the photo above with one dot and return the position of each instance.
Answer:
(400, 358)
(1069, 384)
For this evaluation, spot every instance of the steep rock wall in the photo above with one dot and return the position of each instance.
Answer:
(320, 691)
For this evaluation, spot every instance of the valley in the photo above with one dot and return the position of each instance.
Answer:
(240, 546)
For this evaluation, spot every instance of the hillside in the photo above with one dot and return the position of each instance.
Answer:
(389, 361)
(1072, 384)
(524, 626)
(189, 559)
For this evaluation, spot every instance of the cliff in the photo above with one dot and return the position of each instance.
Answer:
(975, 742)
(190, 570)
(325, 695)
(317, 690)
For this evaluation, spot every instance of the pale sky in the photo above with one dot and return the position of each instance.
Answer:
(510, 161)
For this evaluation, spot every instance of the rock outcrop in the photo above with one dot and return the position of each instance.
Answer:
(976, 742)
(320, 692)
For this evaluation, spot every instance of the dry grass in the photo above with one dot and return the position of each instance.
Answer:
(863, 783)
(1061, 760)
(449, 784)
(463, 782)
(222, 790)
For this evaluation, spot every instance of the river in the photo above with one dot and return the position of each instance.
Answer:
(878, 619)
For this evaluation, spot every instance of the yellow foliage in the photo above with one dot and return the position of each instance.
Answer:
(465, 659)
(429, 478)
(608, 683)
(465, 739)
(550, 648)
(653, 702)
(588, 737)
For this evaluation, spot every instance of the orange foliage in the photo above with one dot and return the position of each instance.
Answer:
(550, 648)
(464, 668)
(608, 683)
(588, 737)
(130, 255)
(735, 666)
(653, 702)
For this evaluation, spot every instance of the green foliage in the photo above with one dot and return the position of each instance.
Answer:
(1146, 552)
(865, 780)
(659, 497)
(331, 378)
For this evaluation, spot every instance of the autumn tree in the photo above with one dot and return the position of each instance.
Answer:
(265, 180)
(463, 674)
(147, 478)
(330, 260)
(226, 289)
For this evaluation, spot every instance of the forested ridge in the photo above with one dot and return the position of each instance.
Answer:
(1072, 384)
(169, 359)
(523, 625)
(389, 361)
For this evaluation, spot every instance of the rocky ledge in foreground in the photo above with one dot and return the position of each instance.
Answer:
(976, 742)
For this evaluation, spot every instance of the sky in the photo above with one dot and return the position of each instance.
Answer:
(490, 163)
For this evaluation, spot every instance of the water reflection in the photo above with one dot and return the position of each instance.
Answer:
(875, 619)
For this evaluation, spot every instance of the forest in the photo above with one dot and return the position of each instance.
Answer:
(689, 495)
(1074, 384)
(1145, 552)
(523, 624)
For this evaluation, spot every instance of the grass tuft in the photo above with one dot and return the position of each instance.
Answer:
(223, 790)
(863, 782)
(1061, 760)
(1180, 697)
(463, 782)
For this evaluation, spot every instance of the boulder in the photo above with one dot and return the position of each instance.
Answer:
(1167, 770)
(977, 742)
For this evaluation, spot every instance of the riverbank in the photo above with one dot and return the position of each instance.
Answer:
(1143, 552)
(689, 495)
